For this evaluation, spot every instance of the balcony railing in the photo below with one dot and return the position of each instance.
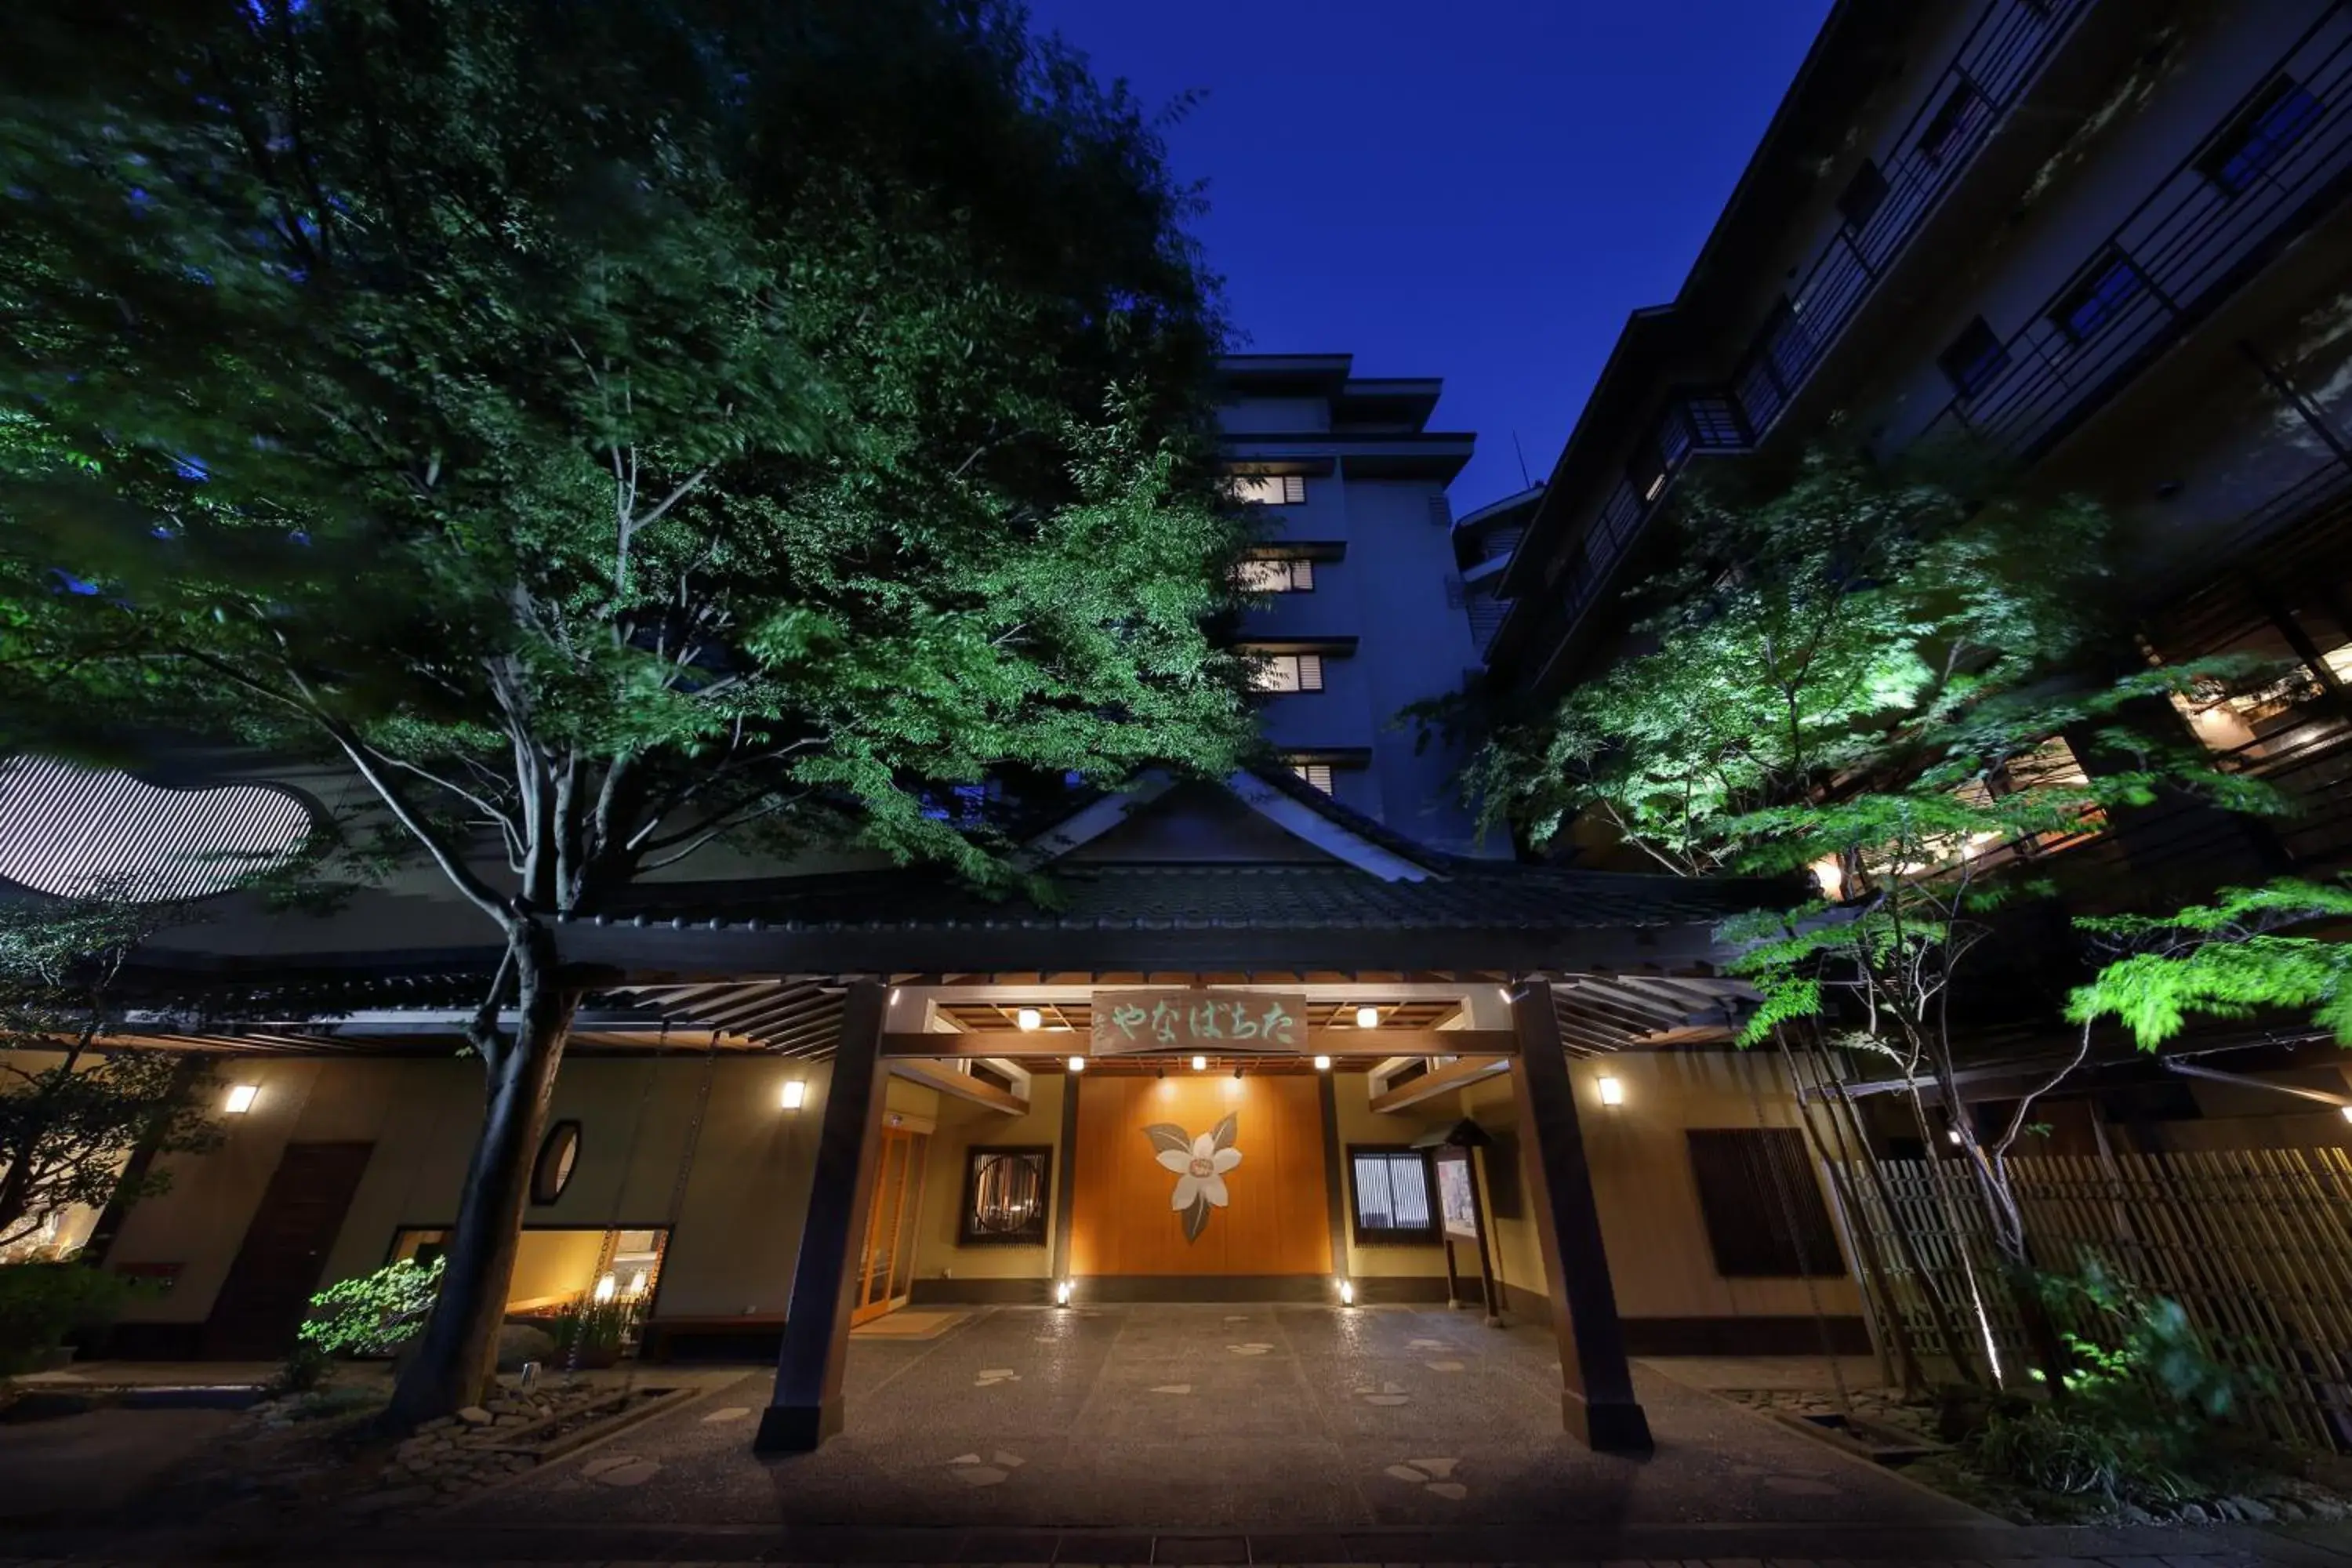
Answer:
(2282, 155)
(2000, 56)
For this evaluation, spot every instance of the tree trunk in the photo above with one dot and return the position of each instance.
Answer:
(15, 1189)
(459, 1352)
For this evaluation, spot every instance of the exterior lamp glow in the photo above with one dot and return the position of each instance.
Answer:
(1612, 1091)
(241, 1096)
(1347, 1292)
(2347, 1113)
(1028, 1018)
(1077, 1064)
(1061, 1292)
(795, 1093)
(607, 1287)
(1322, 1063)
(1367, 1017)
(1200, 1064)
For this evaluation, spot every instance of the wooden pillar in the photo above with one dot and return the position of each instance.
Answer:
(1335, 1176)
(806, 1408)
(1596, 1393)
(1066, 1181)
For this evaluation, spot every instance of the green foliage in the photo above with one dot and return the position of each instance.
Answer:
(2145, 1395)
(73, 1106)
(591, 1327)
(745, 422)
(41, 1303)
(1844, 625)
(306, 1367)
(372, 1314)
(2226, 959)
(605, 429)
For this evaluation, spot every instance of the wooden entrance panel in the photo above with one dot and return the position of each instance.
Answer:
(887, 1263)
(1278, 1218)
(270, 1285)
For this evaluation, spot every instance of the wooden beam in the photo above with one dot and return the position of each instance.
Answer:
(932, 1074)
(1017, 1043)
(1452, 1076)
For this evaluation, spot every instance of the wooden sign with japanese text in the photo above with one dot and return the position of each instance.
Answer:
(1207, 1023)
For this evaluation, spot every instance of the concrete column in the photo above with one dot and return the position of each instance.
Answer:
(1596, 1393)
(806, 1409)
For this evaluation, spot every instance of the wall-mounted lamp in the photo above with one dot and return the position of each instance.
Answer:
(2347, 1113)
(1061, 1292)
(1367, 1017)
(795, 1093)
(1028, 1018)
(1322, 1063)
(1200, 1064)
(1077, 1064)
(241, 1096)
(1612, 1091)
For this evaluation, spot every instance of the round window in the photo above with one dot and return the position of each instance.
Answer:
(558, 1151)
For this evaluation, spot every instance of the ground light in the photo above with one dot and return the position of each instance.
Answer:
(1061, 1292)
(241, 1098)
(1347, 1292)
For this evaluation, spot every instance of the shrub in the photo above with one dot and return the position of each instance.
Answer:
(590, 1326)
(374, 1314)
(41, 1303)
(2141, 1404)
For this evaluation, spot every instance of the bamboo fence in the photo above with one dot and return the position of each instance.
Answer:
(2254, 1244)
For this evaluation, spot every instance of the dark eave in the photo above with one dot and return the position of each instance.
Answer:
(1438, 455)
(1399, 401)
(1280, 376)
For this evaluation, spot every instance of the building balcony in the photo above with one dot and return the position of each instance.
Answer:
(1884, 208)
(2278, 161)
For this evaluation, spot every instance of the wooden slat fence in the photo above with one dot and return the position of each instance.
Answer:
(2255, 1245)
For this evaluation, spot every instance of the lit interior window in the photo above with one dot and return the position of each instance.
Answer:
(75, 833)
(1316, 774)
(1289, 672)
(1275, 576)
(1269, 490)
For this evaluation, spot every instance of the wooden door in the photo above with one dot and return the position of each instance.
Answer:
(886, 1265)
(1276, 1218)
(277, 1269)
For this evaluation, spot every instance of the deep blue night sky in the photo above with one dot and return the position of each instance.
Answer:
(1475, 189)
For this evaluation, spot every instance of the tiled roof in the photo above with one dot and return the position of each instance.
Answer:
(1468, 895)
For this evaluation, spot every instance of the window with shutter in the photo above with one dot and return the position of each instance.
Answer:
(1765, 1218)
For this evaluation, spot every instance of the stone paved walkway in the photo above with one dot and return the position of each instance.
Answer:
(1203, 1435)
(1213, 1418)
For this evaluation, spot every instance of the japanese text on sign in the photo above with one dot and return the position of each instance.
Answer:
(1217, 1023)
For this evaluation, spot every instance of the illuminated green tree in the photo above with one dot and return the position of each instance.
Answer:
(607, 429)
(1881, 686)
(74, 1102)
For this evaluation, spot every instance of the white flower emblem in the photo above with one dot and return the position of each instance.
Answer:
(1199, 1165)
